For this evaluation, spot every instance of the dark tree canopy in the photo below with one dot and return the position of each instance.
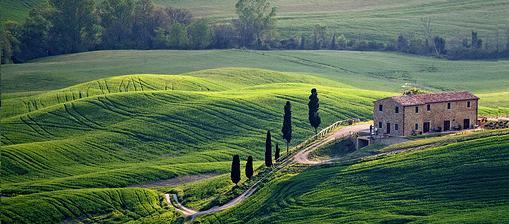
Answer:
(277, 153)
(256, 19)
(268, 150)
(249, 167)
(440, 45)
(287, 124)
(75, 26)
(235, 171)
(314, 106)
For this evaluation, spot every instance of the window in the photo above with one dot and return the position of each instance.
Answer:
(468, 104)
(380, 107)
(416, 109)
(416, 126)
(396, 127)
(428, 107)
(380, 124)
(448, 105)
(397, 110)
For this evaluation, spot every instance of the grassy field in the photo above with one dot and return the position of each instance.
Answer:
(463, 182)
(367, 70)
(98, 121)
(387, 72)
(378, 20)
(126, 130)
(88, 206)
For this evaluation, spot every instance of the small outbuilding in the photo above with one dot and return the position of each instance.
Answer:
(424, 113)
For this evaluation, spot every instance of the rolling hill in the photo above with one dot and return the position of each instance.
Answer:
(126, 130)
(388, 72)
(458, 182)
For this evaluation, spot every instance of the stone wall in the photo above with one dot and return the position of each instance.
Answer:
(439, 113)
(407, 117)
(388, 115)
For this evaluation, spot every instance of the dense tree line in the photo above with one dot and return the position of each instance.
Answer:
(68, 26)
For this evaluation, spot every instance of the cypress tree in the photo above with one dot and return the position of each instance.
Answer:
(268, 150)
(249, 167)
(314, 106)
(287, 125)
(235, 172)
(276, 155)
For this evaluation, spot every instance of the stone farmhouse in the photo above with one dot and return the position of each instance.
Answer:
(424, 113)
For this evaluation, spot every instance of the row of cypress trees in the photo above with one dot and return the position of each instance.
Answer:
(286, 130)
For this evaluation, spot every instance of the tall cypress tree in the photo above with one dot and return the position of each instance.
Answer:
(287, 125)
(268, 150)
(314, 106)
(249, 167)
(276, 154)
(235, 172)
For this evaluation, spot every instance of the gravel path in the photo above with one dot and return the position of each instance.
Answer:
(301, 157)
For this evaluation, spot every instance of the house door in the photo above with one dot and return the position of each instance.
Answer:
(447, 125)
(466, 124)
(425, 127)
(388, 128)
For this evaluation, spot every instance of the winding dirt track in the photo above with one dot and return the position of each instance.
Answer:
(301, 157)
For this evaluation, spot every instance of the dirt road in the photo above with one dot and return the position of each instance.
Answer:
(301, 157)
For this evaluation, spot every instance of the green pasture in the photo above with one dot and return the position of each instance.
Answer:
(463, 182)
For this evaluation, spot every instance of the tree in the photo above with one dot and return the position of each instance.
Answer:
(223, 36)
(268, 150)
(9, 43)
(402, 44)
(314, 106)
(199, 34)
(333, 43)
(342, 41)
(235, 171)
(117, 20)
(428, 34)
(34, 34)
(287, 125)
(174, 36)
(303, 42)
(75, 26)
(256, 18)
(476, 42)
(249, 167)
(319, 36)
(277, 153)
(144, 25)
(439, 43)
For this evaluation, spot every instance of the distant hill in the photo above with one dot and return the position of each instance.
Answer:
(375, 20)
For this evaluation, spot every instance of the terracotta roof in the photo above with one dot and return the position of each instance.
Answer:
(418, 99)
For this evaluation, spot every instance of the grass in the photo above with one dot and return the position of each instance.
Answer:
(461, 182)
(380, 20)
(366, 70)
(380, 71)
(87, 206)
(127, 130)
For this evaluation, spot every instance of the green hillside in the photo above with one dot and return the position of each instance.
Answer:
(366, 70)
(462, 182)
(127, 130)
(379, 20)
